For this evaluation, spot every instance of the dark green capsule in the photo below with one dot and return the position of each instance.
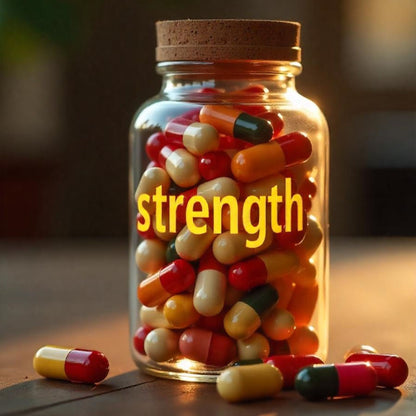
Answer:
(255, 130)
(317, 382)
(248, 362)
(262, 298)
(171, 254)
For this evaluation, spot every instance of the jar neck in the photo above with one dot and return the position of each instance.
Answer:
(190, 80)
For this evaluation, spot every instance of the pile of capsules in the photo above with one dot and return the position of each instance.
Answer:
(208, 297)
(364, 369)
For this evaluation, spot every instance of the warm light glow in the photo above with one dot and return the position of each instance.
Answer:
(186, 365)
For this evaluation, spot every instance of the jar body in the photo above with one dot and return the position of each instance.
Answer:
(196, 341)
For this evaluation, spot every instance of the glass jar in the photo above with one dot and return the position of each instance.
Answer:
(229, 203)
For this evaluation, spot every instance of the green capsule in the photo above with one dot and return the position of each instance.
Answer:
(253, 129)
(248, 362)
(317, 383)
(171, 254)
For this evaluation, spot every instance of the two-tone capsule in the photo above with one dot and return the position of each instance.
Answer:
(322, 381)
(261, 269)
(244, 318)
(172, 279)
(267, 159)
(72, 364)
(236, 123)
(198, 138)
(290, 365)
(249, 382)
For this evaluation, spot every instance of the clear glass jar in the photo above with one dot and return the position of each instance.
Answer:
(238, 302)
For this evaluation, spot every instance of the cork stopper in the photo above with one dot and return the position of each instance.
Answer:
(224, 39)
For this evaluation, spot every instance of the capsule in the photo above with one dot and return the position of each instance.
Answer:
(254, 347)
(392, 370)
(171, 254)
(321, 381)
(150, 255)
(302, 303)
(190, 246)
(312, 239)
(207, 347)
(72, 364)
(213, 323)
(213, 165)
(149, 234)
(210, 286)
(244, 318)
(360, 349)
(163, 231)
(174, 278)
(263, 186)
(161, 344)
(230, 248)
(278, 324)
(290, 365)
(198, 138)
(303, 341)
(181, 165)
(179, 311)
(305, 274)
(154, 144)
(219, 187)
(236, 123)
(139, 337)
(285, 288)
(150, 180)
(275, 120)
(154, 317)
(261, 269)
(289, 239)
(267, 159)
(249, 382)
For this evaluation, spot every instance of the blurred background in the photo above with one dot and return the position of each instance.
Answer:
(72, 74)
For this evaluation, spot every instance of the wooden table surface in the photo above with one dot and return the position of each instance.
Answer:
(75, 294)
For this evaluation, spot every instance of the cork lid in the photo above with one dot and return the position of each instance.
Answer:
(224, 39)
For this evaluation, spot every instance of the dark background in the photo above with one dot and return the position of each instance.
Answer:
(74, 72)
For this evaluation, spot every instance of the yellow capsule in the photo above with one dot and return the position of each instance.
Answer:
(360, 349)
(199, 138)
(182, 167)
(161, 344)
(263, 186)
(150, 180)
(179, 311)
(278, 324)
(229, 248)
(256, 346)
(219, 187)
(190, 246)
(151, 255)
(249, 382)
(241, 321)
(209, 293)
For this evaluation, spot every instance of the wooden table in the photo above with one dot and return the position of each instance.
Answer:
(75, 294)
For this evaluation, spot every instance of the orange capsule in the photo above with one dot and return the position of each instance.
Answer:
(302, 303)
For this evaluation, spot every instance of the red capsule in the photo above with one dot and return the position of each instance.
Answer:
(296, 146)
(392, 370)
(231, 143)
(289, 239)
(139, 337)
(192, 114)
(154, 144)
(149, 234)
(290, 365)
(213, 323)
(214, 165)
(172, 279)
(275, 120)
(207, 347)
(261, 269)
(175, 128)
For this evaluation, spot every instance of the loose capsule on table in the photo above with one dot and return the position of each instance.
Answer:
(249, 382)
(72, 364)
(321, 381)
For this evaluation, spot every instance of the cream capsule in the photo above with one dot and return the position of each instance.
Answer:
(150, 255)
(154, 317)
(230, 248)
(256, 346)
(161, 344)
(249, 382)
(181, 165)
(190, 246)
(150, 180)
(210, 286)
